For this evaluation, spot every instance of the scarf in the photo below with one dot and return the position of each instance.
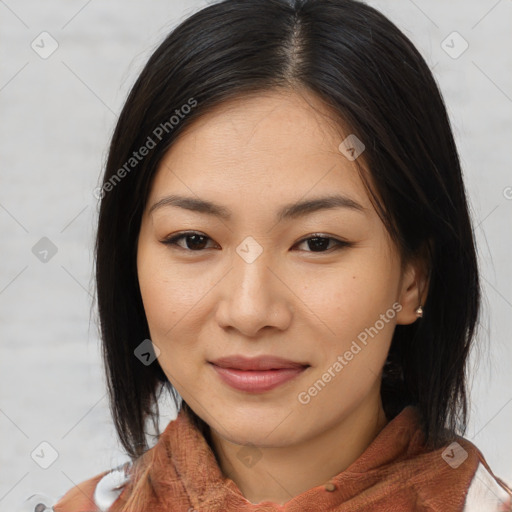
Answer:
(394, 474)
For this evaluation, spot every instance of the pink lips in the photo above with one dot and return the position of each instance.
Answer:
(256, 374)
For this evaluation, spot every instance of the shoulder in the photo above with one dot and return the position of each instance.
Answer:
(455, 476)
(487, 493)
(96, 494)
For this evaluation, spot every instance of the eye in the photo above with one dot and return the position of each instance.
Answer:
(196, 242)
(319, 243)
(193, 241)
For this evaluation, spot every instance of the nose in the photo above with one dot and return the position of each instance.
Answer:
(254, 296)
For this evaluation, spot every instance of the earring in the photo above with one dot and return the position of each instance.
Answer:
(419, 312)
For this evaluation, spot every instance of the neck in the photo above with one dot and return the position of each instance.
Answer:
(286, 471)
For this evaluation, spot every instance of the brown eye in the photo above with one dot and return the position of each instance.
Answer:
(318, 243)
(193, 241)
(197, 242)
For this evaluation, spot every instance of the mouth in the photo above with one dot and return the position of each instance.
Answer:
(258, 374)
(257, 363)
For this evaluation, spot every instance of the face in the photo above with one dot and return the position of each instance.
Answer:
(317, 286)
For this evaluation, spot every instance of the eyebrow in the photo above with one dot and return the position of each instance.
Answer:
(289, 211)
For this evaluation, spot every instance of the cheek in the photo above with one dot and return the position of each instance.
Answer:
(350, 298)
(358, 320)
(170, 302)
(158, 296)
(175, 304)
(356, 311)
(168, 295)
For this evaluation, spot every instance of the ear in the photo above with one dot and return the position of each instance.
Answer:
(413, 288)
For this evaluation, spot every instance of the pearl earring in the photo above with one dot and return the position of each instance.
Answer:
(419, 312)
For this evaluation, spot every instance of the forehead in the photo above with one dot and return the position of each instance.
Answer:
(273, 120)
(261, 146)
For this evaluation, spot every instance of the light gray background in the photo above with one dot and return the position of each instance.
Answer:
(57, 117)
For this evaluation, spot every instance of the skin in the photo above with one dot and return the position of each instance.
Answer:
(252, 156)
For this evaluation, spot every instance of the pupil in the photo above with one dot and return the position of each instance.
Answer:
(195, 237)
(318, 243)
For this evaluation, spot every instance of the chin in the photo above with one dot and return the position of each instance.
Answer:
(259, 427)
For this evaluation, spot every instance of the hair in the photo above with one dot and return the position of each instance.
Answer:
(373, 80)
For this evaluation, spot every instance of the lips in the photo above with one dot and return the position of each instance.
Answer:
(256, 375)
(257, 363)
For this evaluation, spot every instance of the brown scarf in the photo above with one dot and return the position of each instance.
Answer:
(395, 473)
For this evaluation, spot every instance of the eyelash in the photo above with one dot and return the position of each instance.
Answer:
(172, 241)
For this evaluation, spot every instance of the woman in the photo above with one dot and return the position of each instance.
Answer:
(284, 244)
